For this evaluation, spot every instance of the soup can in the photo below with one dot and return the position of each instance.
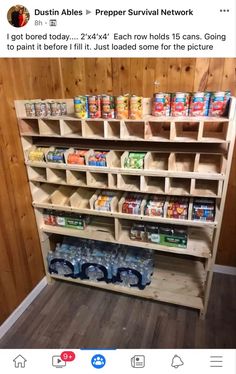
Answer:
(94, 105)
(122, 107)
(63, 109)
(108, 107)
(55, 108)
(81, 106)
(200, 104)
(219, 102)
(38, 111)
(161, 104)
(48, 108)
(180, 104)
(30, 109)
(136, 107)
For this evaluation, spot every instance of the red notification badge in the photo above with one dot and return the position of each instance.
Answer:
(67, 356)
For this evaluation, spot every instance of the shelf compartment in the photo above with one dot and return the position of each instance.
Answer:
(157, 131)
(199, 240)
(73, 150)
(185, 131)
(211, 163)
(112, 180)
(215, 131)
(208, 188)
(71, 128)
(113, 204)
(132, 130)
(61, 196)
(182, 162)
(37, 174)
(56, 175)
(93, 129)
(112, 129)
(128, 182)
(29, 126)
(153, 184)
(179, 186)
(113, 159)
(156, 161)
(99, 180)
(49, 127)
(76, 178)
(99, 228)
(80, 199)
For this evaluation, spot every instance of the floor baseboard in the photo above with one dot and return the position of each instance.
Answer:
(22, 307)
(230, 270)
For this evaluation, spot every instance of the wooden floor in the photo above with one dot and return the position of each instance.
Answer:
(67, 315)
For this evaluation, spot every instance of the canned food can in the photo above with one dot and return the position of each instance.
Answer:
(218, 103)
(30, 109)
(36, 155)
(43, 107)
(161, 104)
(81, 106)
(58, 108)
(63, 109)
(136, 107)
(55, 108)
(197, 104)
(122, 107)
(38, 111)
(108, 107)
(180, 104)
(48, 108)
(94, 105)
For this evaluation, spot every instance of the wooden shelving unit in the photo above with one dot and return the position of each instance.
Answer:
(187, 156)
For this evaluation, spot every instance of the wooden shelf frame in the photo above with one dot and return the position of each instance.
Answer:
(81, 200)
(204, 172)
(132, 182)
(160, 129)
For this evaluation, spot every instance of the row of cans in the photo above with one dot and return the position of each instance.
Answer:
(109, 107)
(45, 109)
(190, 104)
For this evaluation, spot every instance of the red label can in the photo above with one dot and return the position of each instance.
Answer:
(161, 104)
(180, 104)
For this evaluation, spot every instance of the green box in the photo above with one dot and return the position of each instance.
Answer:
(173, 241)
(74, 223)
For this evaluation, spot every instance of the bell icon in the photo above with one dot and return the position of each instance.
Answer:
(176, 362)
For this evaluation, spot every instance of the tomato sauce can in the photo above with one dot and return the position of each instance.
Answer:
(136, 107)
(161, 104)
(122, 107)
(108, 107)
(180, 104)
(199, 105)
(94, 105)
(81, 106)
(218, 104)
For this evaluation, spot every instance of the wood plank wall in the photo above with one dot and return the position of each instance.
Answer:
(20, 257)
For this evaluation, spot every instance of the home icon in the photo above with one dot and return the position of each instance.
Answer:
(19, 362)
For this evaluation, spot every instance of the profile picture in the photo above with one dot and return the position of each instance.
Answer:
(18, 16)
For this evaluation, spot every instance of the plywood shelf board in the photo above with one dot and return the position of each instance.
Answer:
(197, 247)
(126, 171)
(179, 282)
